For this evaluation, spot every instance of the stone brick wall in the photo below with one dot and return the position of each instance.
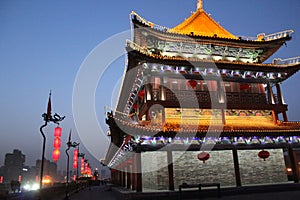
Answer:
(255, 170)
(155, 170)
(219, 168)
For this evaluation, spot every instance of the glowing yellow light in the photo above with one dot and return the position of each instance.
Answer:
(46, 181)
(289, 169)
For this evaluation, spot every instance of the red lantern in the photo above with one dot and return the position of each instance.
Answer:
(75, 159)
(203, 156)
(263, 154)
(88, 170)
(57, 132)
(55, 155)
(75, 155)
(134, 106)
(193, 83)
(141, 94)
(56, 143)
(75, 164)
(244, 86)
(82, 165)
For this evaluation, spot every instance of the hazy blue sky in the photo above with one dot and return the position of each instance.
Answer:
(43, 44)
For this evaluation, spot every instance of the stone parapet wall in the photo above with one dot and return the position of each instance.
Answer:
(219, 168)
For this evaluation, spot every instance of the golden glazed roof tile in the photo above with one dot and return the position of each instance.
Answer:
(201, 24)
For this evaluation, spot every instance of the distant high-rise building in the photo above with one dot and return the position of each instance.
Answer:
(29, 174)
(50, 169)
(13, 166)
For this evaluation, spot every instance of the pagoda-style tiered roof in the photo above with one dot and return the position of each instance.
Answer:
(194, 64)
(200, 23)
(201, 34)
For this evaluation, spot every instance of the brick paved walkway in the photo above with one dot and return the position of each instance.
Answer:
(93, 193)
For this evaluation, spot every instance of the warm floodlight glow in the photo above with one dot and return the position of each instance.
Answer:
(46, 181)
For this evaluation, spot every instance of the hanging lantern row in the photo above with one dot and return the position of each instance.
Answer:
(264, 154)
(203, 156)
(75, 159)
(56, 144)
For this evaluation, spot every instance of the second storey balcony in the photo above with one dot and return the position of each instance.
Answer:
(210, 100)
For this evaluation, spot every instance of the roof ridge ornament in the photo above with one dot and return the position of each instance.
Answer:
(200, 5)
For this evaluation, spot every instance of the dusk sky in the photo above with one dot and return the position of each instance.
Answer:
(44, 43)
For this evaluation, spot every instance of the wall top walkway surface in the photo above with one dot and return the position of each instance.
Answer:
(278, 192)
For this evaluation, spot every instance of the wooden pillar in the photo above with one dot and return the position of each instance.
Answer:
(270, 94)
(272, 101)
(236, 168)
(279, 94)
(148, 92)
(294, 164)
(115, 177)
(139, 182)
(162, 92)
(163, 116)
(119, 178)
(221, 98)
(123, 175)
(170, 170)
(285, 118)
(275, 117)
(128, 174)
(112, 174)
(223, 117)
(133, 174)
(280, 100)
(231, 87)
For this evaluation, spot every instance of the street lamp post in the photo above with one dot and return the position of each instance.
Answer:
(47, 118)
(73, 145)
